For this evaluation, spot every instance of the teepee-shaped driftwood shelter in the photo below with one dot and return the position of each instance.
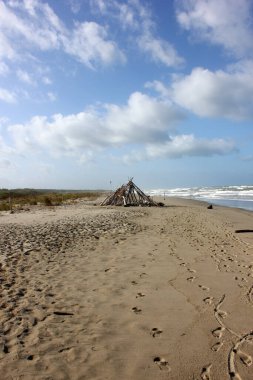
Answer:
(128, 195)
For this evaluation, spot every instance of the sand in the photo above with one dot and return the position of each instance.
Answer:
(126, 293)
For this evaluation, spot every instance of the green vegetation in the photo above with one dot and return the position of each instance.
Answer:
(11, 199)
(4, 206)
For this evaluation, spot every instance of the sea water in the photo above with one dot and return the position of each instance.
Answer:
(230, 196)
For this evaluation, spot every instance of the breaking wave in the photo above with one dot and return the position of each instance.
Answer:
(231, 196)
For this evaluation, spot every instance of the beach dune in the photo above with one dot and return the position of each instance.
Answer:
(90, 292)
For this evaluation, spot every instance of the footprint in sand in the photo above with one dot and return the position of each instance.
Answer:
(217, 333)
(235, 376)
(162, 363)
(138, 295)
(191, 279)
(245, 358)
(216, 347)
(204, 288)
(136, 310)
(155, 332)
(250, 338)
(206, 373)
(134, 282)
(191, 270)
(222, 314)
(208, 300)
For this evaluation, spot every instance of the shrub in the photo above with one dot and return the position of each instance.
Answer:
(33, 202)
(4, 206)
(47, 201)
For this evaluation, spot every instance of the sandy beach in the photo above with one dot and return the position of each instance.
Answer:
(91, 292)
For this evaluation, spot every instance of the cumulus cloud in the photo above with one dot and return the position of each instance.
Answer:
(188, 145)
(4, 148)
(144, 121)
(34, 24)
(222, 93)
(182, 145)
(227, 23)
(217, 94)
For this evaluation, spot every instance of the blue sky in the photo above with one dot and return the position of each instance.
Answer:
(93, 92)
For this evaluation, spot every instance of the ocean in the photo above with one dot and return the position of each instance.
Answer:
(230, 196)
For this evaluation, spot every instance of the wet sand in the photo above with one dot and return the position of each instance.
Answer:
(127, 293)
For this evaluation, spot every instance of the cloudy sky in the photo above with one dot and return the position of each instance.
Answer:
(93, 92)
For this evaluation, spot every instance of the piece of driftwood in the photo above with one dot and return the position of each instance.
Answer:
(128, 195)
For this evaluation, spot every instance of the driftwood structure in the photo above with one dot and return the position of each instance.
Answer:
(128, 195)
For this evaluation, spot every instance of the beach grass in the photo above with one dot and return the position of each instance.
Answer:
(10, 199)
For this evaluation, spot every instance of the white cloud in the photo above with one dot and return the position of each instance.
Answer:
(7, 96)
(160, 50)
(4, 148)
(52, 96)
(124, 13)
(75, 5)
(227, 23)
(4, 69)
(6, 50)
(159, 87)
(42, 30)
(180, 146)
(137, 19)
(108, 126)
(89, 44)
(217, 94)
(144, 121)
(28, 5)
(45, 168)
(188, 145)
(33, 24)
(87, 157)
(101, 5)
(5, 164)
(25, 77)
(46, 80)
(3, 120)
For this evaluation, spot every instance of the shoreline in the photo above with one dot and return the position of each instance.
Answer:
(230, 203)
(91, 292)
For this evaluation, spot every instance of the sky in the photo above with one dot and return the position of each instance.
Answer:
(95, 92)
